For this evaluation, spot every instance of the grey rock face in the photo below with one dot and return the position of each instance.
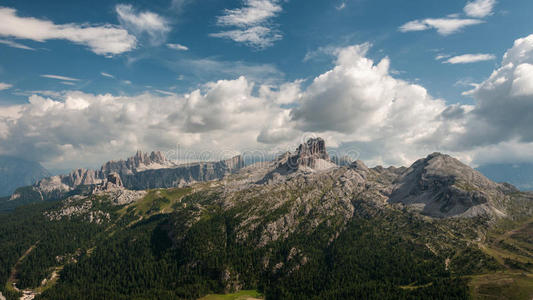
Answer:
(114, 178)
(302, 201)
(139, 172)
(79, 207)
(311, 155)
(442, 186)
(137, 163)
(182, 174)
(16, 172)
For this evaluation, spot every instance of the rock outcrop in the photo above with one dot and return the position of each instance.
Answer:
(113, 188)
(114, 178)
(441, 186)
(309, 157)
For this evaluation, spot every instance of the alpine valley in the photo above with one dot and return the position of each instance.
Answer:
(298, 227)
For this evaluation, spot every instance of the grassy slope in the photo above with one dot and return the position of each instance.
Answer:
(242, 295)
(502, 285)
(511, 245)
(158, 201)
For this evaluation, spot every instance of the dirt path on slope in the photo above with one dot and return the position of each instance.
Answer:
(13, 276)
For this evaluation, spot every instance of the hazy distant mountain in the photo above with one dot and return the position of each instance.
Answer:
(519, 175)
(16, 172)
(139, 172)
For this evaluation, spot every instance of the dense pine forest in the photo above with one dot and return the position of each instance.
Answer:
(376, 256)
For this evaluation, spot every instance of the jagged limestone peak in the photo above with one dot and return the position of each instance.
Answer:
(311, 155)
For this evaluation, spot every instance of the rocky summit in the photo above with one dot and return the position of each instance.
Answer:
(441, 186)
(297, 227)
(311, 155)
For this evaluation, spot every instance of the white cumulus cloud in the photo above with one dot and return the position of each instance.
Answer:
(357, 104)
(107, 75)
(146, 22)
(78, 128)
(359, 101)
(59, 77)
(479, 8)
(253, 22)
(475, 11)
(178, 47)
(469, 58)
(504, 102)
(5, 86)
(101, 39)
(444, 26)
(14, 44)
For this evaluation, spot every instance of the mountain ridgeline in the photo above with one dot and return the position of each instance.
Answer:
(16, 172)
(139, 172)
(297, 227)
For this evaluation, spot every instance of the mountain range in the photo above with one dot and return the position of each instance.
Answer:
(16, 172)
(296, 227)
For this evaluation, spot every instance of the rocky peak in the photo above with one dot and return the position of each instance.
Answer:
(113, 188)
(315, 147)
(141, 159)
(445, 167)
(81, 177)
(139, 162)
(311, 155)
(441, 186)
(158, 157)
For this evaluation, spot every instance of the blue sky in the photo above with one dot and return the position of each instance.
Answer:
(174, 48)
(305, 25)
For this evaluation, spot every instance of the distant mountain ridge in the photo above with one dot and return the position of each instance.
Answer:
(438, 185)
(139, 172)
(16, 172)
